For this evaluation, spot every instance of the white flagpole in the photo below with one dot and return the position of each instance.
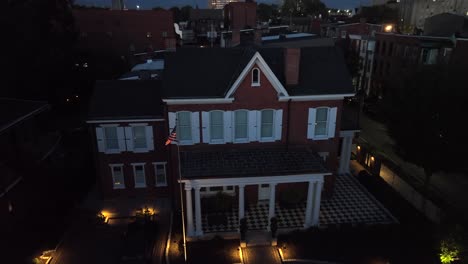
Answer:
(182, 204)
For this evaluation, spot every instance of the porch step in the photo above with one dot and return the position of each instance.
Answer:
(258, 238)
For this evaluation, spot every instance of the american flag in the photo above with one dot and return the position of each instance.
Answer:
(172, 136)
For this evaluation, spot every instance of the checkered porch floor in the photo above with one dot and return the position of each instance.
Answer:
(350, 203)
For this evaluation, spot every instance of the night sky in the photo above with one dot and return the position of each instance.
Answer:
(148, 4)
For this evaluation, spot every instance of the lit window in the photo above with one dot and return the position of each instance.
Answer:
(148, 34)
(160, 171)
(139, 174)
(216, 125)
(255, 77)
(139, 137)
(241, 124)
(110, 138)
(117, 176)
(321, 122)
(266, 130)
(184, 130)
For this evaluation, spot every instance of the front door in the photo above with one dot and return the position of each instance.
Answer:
(263, 192)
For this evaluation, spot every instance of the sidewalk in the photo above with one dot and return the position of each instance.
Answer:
(450, 187)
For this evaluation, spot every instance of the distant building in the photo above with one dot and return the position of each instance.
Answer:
(240, 15)
(219, 4)
(446, 25)
(204, 21)
(118, 5)
(413, 13)
(124, 33)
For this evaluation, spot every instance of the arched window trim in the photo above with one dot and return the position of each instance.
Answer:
(256, 71)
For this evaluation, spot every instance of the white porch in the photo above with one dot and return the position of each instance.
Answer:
(312, 208)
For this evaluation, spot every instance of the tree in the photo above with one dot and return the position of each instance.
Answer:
(303, 8)
(379, 14)
(423, 108)
(157, 8)
(175, 13)
(185, 13)
(266, 12)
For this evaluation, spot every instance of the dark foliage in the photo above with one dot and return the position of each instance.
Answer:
(302, 8)
(267, 12)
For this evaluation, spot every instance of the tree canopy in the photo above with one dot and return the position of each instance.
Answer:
(303, 8)
(266, 12)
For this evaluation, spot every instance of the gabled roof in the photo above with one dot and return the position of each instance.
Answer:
(211, 73)
(13, 111)
(119, 99)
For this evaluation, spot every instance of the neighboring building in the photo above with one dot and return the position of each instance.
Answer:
(267, 121)
(219, 4)
(25, 143)
(260, 122)
(204, 21)
(413, 13)
(240, 15)
(118, 5)
(395, 53)
(124, 33)
(342, 31)
(446, 25)
(128, 124)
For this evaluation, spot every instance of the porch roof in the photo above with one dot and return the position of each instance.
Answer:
(228, 163)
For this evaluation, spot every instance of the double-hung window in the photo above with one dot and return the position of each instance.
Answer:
(321, 122)
(160, 173)
(184, 128)
(139, 137)
(266, 129)
(117, 176)
(111, 139)
(216, 126)
(139, 175)
(241, 127)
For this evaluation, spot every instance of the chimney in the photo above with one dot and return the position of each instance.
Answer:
(292, 58)
(235, 40)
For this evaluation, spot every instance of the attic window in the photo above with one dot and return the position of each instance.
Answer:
(256, 77)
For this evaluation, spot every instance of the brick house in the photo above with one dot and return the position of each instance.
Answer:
(252, 125)
(126, 119)
(264, 121)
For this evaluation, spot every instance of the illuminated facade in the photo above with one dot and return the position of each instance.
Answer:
(219, 4)
(414, 12)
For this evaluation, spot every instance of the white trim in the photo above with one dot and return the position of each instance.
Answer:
(134, 175)
(120, 186)
(257, 59)
(164, 163)
(124, 120)
(198, 101)
(315, 97)
(255, 84)
(318, 177)
(138, 124)
(110, 125)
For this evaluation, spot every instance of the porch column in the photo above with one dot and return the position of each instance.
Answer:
(188, 205)
(345, 154)
(271, 209)
(317, 198)
(198, 220)
(241, 202)
(310, 205)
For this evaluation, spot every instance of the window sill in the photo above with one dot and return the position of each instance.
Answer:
(241, 140)
(184, 143)
(139, 150)
(112, 151)
(267, 140)
(255, 84)
(140, 186)
(217, 141)
(320, 138)
(161, 185)
(119, 187)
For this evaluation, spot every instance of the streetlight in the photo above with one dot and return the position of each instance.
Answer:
(138, 7)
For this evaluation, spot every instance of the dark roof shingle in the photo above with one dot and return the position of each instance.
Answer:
(118, 99)
(249, 163)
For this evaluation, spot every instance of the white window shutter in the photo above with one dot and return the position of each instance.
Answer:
(100, 139)
(121, 137)
(195, 127)
(259, 125)
(253, 125)
(206, 127)
(311, 123)
(129, 138)
(278, 124)
(227, 119)
(332, 122)
(149, 137)
(172, 121)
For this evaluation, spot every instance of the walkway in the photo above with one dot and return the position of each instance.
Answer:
(261, 255)
(451, 187)
(350, 204)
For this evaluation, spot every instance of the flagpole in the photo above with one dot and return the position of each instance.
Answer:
(182, 205)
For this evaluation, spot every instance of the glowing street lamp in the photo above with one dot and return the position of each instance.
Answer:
(388, 28)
